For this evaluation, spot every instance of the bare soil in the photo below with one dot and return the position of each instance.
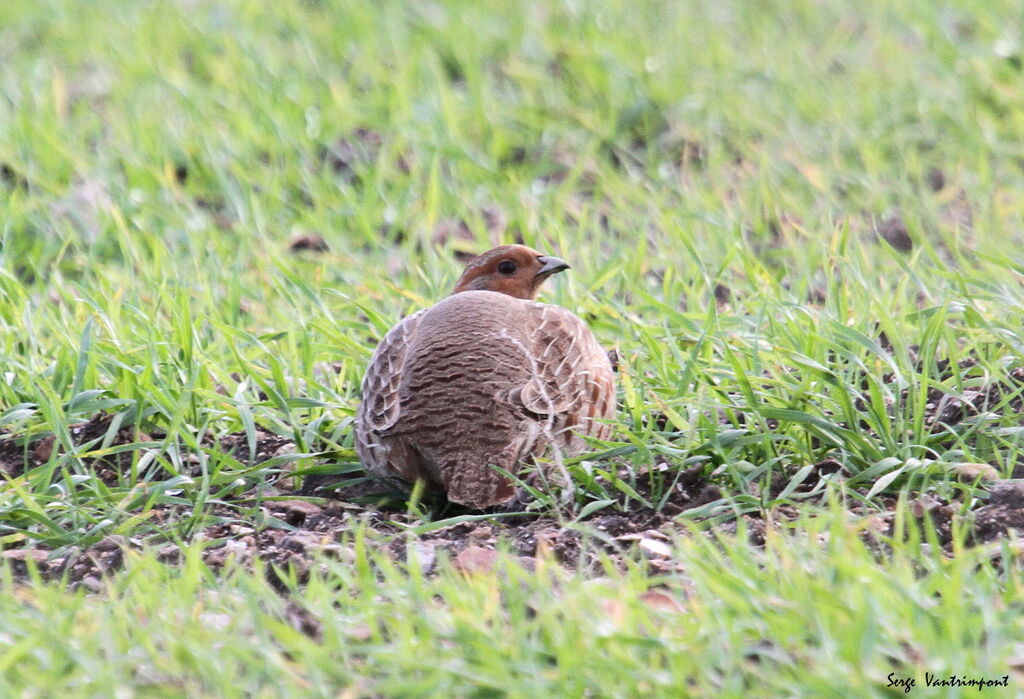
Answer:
(292, 520)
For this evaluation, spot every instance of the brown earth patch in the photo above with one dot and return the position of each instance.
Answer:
(288, 520)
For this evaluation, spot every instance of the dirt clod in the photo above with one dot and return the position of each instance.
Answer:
(475, 559)
(893, 230)
(310, 242)
(935, 178)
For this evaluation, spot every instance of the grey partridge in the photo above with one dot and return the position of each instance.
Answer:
(484, 380)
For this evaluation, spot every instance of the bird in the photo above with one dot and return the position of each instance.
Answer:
(485, 381)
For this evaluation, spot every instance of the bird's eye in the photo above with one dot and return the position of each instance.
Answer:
(507, 267)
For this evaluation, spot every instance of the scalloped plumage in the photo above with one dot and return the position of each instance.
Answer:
(483, 379)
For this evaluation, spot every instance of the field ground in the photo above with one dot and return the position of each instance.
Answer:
(798, 226)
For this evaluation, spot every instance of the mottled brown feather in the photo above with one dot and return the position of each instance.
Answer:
(483, 379)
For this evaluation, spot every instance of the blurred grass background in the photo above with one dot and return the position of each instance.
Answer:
(785, 217)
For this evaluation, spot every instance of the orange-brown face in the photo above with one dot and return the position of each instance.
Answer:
(515, 270)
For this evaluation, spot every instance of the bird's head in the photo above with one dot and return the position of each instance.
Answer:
(515, 270)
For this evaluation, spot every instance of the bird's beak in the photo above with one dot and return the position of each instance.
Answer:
(551, 265)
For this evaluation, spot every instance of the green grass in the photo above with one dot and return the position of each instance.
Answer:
(810, 614)
(158, 158)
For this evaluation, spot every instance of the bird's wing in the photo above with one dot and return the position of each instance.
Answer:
(379, 409)
(571, 375)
